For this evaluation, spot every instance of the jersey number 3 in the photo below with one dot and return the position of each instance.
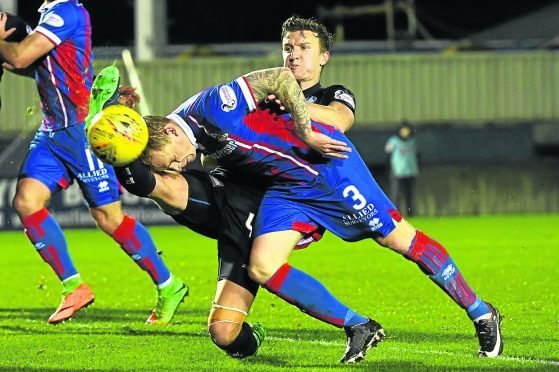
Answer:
(360, 201)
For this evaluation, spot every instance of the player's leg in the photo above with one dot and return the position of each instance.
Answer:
(41, 228)
(433, 259)
(135, 240)
(226, 322)
(101, 192)
(269, 267)
(41, 175)
(376, 214)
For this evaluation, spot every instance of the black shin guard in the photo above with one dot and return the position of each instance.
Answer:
(244, 345)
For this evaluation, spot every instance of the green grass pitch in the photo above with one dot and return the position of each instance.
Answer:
(509, 260)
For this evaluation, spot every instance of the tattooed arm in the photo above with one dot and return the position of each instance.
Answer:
(281, 82)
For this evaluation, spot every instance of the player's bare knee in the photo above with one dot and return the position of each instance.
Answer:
(399, 240)
(25, 204)
(108, 218)
(261, 272)
(106, 222)
(393, 243)
(382, 241)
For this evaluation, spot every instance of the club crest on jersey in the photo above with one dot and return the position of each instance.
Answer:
(228, 98)
(343, 96)
(53, 20)
(311, 99)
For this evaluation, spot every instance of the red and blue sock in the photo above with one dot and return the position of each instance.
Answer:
(433, 260)
(135, 240)
(47, 237)
(311, 297)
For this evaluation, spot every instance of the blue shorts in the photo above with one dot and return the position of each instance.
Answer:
(344, 199)
(57, 158)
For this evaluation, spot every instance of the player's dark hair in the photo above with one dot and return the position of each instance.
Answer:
(296, 23)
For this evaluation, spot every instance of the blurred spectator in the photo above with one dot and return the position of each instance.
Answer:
(403, 167)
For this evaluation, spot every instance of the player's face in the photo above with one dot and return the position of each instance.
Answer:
(302, 54)
(175, 156)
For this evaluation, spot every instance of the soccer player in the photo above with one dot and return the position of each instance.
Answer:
(60, 46)
(211, 204)
(216, 206)
(306, 51)
(315, 180)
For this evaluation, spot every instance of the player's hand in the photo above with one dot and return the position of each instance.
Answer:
(8, 67)
(4, 34)
(326, 146)
(273, 100)
(128, 96)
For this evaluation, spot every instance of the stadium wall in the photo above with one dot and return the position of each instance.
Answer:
(472, 87)
(487, 125)
(464, 171)
(442, 190)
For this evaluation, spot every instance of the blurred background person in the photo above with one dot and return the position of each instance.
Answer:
(404, 167)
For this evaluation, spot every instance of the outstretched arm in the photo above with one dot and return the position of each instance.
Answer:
(168, 189)
(281, 82)
(170, 192)
(335, 114)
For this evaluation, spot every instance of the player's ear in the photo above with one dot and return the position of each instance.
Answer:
(324, 57)
(170, 130)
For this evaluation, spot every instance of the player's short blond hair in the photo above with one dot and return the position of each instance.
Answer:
(158, 139)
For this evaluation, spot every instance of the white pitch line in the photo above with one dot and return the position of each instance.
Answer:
(423, 351)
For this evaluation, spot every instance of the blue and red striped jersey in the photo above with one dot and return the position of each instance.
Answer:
(225, 123)
(64, 76)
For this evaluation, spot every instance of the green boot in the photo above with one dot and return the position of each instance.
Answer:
(104, 92)
(168, 300)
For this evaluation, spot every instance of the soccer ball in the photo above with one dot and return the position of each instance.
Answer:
(117, 135)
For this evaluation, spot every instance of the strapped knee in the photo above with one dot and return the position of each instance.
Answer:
(230, 332)
(224, 323)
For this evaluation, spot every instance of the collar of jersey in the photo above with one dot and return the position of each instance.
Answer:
(311, 91)
(47, 6)
(185, 128)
